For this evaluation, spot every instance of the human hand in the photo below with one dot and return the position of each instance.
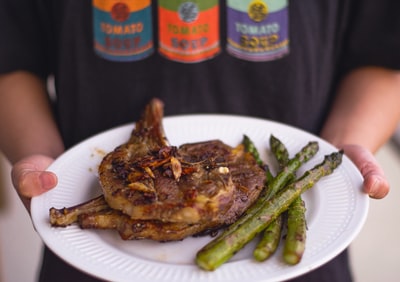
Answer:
(375, 182)
(30, 178)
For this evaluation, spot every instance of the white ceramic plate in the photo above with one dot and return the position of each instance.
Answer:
(336, 209)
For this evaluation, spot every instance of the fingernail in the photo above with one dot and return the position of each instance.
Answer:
(374, 187)
(47, 180)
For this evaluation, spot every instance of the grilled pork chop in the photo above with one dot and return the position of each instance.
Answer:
(148, 179)
(169, 192)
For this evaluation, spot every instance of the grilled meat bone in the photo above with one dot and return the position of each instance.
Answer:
(157, 191)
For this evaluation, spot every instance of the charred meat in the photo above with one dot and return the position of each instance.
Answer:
(154, 190)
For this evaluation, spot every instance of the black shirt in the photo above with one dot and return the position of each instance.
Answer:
(326, 38)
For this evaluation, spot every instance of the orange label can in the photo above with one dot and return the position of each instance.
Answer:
(189, 30)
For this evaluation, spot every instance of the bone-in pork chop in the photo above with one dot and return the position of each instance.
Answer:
(148, 179)
(161, 192)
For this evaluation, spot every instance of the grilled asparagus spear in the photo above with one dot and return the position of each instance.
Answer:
(295, 242)
(270, 240)
(280, 151)
(272, 234)
(222, 248)
(251, 148)
(286, 174)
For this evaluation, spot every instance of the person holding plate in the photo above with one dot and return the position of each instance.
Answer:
(329, 68)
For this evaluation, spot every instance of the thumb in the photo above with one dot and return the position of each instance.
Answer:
(375, 182)
(33, 183)
(30, 178)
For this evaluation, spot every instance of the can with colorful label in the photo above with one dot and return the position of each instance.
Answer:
(257, 30)
(189, 30)
(122, 29)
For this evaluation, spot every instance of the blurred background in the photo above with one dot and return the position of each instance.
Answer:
(374, 253)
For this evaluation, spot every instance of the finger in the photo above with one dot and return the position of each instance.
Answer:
(33, 183)
(376, 186)
(375, 182)
(30, 178)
